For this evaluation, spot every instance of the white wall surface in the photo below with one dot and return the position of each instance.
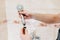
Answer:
(37, 6)
(34, 6)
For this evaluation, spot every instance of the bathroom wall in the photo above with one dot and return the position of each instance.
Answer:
(3, 26)
(41, 6)
(37, 6)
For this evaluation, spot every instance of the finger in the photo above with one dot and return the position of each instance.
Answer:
(21, 31)
(24, 15)
(23, 12)
(26, 31)
(19, 12)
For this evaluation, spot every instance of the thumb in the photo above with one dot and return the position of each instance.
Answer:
(25, 31)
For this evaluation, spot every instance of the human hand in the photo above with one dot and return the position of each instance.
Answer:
(25, 14)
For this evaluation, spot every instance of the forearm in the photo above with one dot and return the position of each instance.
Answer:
(47, 18)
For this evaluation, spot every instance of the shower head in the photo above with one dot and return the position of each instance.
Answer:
(20, 7)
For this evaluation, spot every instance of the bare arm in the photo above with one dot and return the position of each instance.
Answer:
(47, 18)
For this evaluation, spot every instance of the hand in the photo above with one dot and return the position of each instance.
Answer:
(25, 14)
(25, 36)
